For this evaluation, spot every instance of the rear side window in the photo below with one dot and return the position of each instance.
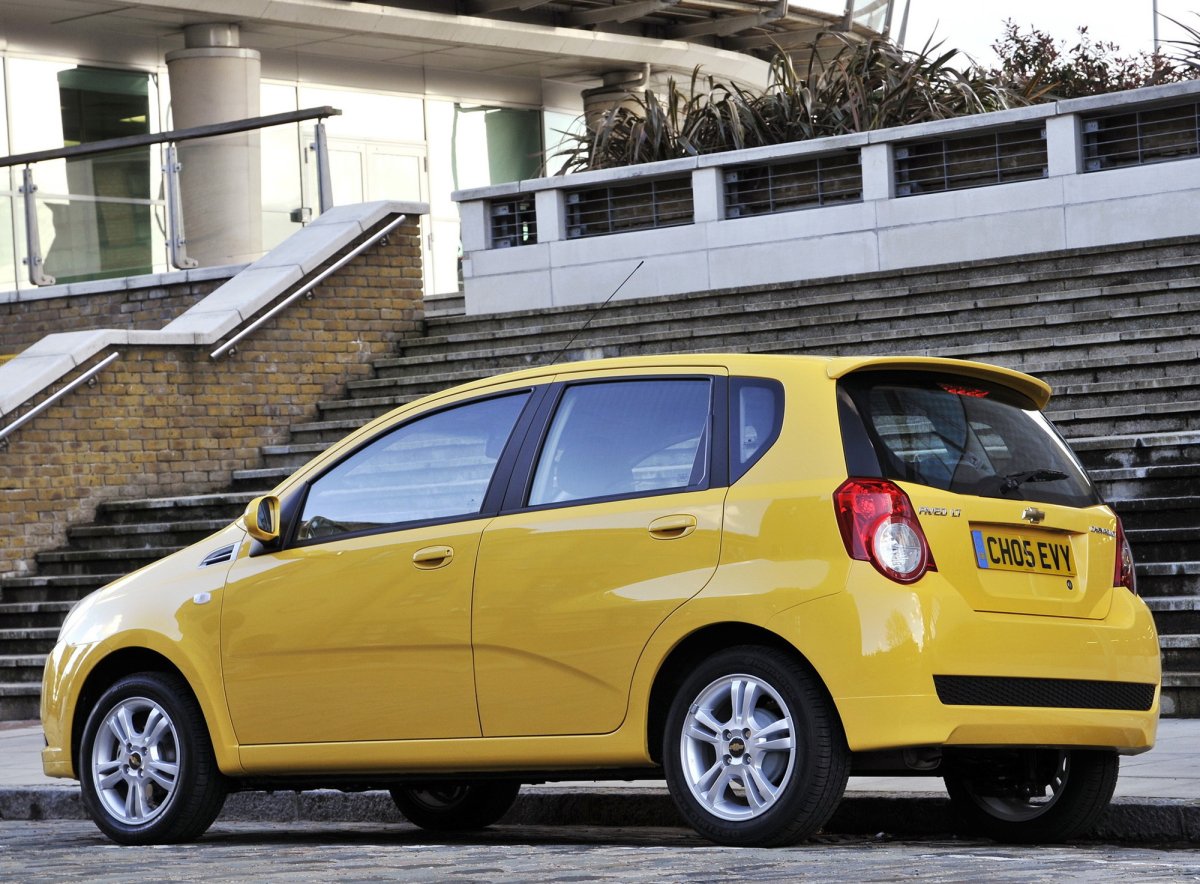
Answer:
(754, 418)
(621, 438)
(965, 436)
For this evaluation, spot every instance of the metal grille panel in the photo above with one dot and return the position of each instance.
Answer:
(1062, 693)
(514, 222)
(767, 188)
(619, 208)
(967, 161)
(1112, 141)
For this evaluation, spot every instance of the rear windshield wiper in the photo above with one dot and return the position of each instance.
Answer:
(1013, 481)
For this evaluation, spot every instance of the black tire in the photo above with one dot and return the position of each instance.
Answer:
(1033, 796)
(161, 785)
(456, 806)
(793, 790)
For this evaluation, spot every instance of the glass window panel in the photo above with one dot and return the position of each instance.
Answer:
(558, 127)
(373, 116)
(281, 187)
(435, 467)
(624, 437)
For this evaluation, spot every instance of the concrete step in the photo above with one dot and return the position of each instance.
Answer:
(1156, 481)
(1057, 294)
(1160, 417)
(698, 329)
(1182, 511)
(1168, 578)
(99, 561)
(1163, 544)
(19, 701)
(1137, 449)
(1181, 694)
(1179, 615)
(27, 640)
(144, 535)
(53, 587)
(22, 669)
(328, 432)
(224, 506)
(292, 455)
(362, 410)
(1180, 652)
(36, 615)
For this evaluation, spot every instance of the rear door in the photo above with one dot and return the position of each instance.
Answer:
(1011, 517)
(617, 523)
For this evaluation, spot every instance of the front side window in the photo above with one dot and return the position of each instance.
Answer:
(968, 437)
(622, 438)
(434, 467)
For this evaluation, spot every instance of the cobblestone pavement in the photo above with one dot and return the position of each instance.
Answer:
(60, 851)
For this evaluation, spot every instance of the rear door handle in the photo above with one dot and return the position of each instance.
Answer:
(431, 557)
(672, 527)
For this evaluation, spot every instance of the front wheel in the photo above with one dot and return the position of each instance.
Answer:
(753, 751)
(146, 766)
(456, 806)
(1033, 796)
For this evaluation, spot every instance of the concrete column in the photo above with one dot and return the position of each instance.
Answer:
(708, 192)
(551, 209)
(878, 181)
(214, 80)
(1064, 146)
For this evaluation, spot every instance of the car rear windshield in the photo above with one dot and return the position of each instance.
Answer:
(961, 435)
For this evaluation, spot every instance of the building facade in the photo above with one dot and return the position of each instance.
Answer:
(434, 98)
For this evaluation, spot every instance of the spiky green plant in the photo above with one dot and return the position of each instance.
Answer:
(861, 85)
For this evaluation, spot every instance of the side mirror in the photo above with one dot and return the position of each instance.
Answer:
(262, 518)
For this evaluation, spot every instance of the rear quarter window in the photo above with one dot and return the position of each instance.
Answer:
(965, 436)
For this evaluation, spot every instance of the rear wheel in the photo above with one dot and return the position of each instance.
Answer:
(1034, 796)
(753, 751)
(146, 766)
(456, 806)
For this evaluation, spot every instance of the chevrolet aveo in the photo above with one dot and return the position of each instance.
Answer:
(751, 576)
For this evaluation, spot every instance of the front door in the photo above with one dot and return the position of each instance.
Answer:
(361, 629)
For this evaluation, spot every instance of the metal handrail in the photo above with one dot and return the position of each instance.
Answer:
(46, 403)
(231, 344)
(175, 135)
(176, 239)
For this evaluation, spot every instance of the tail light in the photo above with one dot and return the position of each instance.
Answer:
(879, 526)
(1124, 573)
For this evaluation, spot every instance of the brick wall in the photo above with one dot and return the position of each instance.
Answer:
(23, 323)
(170, 420)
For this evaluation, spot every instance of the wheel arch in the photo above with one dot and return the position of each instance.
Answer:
(130, 659)
(695, 647)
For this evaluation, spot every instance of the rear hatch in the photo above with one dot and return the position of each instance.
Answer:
(1012, 519)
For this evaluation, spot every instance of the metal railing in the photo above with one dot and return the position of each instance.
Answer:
(1139, 137)
(86, 378)
(790, 185)
(619, 208)
(176, 239)
(230, 346)
(973, 160)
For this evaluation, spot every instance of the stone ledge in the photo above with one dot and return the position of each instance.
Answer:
(1127, 820)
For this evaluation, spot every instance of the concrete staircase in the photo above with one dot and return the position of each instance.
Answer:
(1116, 332)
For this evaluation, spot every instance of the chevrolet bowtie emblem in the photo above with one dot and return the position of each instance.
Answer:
(1033, 515)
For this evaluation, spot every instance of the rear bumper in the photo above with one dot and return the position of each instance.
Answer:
(879, 646)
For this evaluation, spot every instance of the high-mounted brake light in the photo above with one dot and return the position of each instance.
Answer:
(1124, 573)
(959, 390)
(879, 526)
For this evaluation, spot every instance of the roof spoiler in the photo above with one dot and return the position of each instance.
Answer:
(1027, 385)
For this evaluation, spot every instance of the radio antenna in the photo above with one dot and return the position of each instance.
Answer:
(592, 315)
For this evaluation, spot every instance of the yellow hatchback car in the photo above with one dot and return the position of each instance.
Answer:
(751, 575)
